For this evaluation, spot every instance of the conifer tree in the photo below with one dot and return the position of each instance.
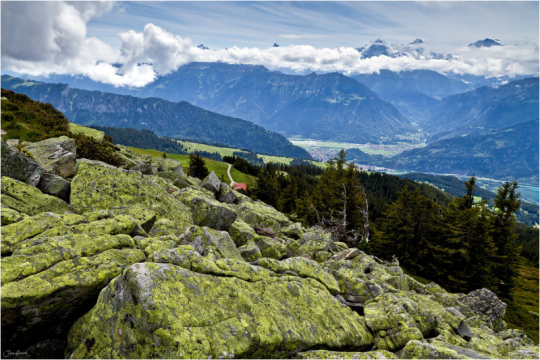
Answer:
(506, 204)
(288, 198)
(197, 167)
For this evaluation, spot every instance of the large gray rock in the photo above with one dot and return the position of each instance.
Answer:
(207, 211)
(204, 239)
(55, 185)
(165, 164)
(211, 183)
(485, 302)
(226, 194)
(19, 166)
(56, 155)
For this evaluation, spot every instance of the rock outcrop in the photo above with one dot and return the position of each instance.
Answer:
(19, 166)
(56, 155)
(133, 266)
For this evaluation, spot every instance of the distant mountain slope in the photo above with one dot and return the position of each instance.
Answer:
(485, 109)
(256, 94)
(506, 153)
(163, 117)
(414, 93)
(527, 214)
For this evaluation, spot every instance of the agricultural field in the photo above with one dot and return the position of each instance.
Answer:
(220, 168)
(225, 151)
(326, 149)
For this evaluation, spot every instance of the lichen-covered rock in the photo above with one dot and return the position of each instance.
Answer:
(133, 160)
(485, 302)
(29, 200)
(14, 233)
(98, 187)
(19, 166)
(207, 211)
(316, 240)
(241, 233)
(226, 194)
(168, 227)
(55, 185)
(268, 231)
(262, 215)
(83, 130)
(202, 239)
(47, 303)
(144, 216)
(294, 231)
(271, 248)
(437, 350)
(211, 183)
(168, 305)
(165, 164)
(10, 216)
(40, 254)
(174, 178)
(250, 252)
(56, 155)
(327, 354)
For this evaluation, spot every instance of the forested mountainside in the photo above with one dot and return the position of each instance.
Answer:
(484, 109)
(505, 153)
(414, 93)
(527, 214)
(339, 107)
(163, 117)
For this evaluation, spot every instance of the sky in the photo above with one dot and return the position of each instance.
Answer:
(132, 43)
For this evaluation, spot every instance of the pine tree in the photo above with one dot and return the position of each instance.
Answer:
(506, 204)
(288, 198)
(197, 167)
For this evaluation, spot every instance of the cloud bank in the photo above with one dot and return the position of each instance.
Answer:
(42, 38)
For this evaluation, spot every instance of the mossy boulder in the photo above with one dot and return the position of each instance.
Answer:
(55, 155)
(15, 233)
(241, 233)
(145, 217)
(271, 248)
(168, 165)
(206, 210)
(98, 187)
(262, 215)
(294, 231)
(55, 185)
(437, 350)
(40, 254)
(315, 241)
(250, 252)
(163, 310)
(29, 200)
(226, 194)
(45, 304)
(83, 130)
(203, 239)
(19, 166)
(485, 302)
(327, 354)
(10, 216)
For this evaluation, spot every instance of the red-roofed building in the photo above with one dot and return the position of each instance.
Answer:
(240, 186)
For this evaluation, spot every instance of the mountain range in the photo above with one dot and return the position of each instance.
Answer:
(484, 109)
(328, 106)
(181, 120)
(505, 153)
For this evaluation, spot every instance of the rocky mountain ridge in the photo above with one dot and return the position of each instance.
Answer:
(145, 262)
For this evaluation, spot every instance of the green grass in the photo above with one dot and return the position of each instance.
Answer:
(220, 168)
(522, 312)
(192, 147)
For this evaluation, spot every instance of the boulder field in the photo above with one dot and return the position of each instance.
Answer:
(146, 262)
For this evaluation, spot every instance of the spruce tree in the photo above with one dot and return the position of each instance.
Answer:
(506, 204)
(197, 167)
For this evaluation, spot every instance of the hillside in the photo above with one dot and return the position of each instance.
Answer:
(527, 214)
(129, 260)
(414, 93)
(163, 117)
(506, 153)
(275, 100)
(484, 109)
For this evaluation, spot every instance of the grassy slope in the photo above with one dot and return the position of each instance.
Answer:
(522, 312)
(220, 168)
(223, 151)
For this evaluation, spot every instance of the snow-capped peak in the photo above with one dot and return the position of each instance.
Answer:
(417, 42)
(487, 42)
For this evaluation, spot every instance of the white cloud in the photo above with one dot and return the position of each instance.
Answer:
(42, 38)
(303, 36)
